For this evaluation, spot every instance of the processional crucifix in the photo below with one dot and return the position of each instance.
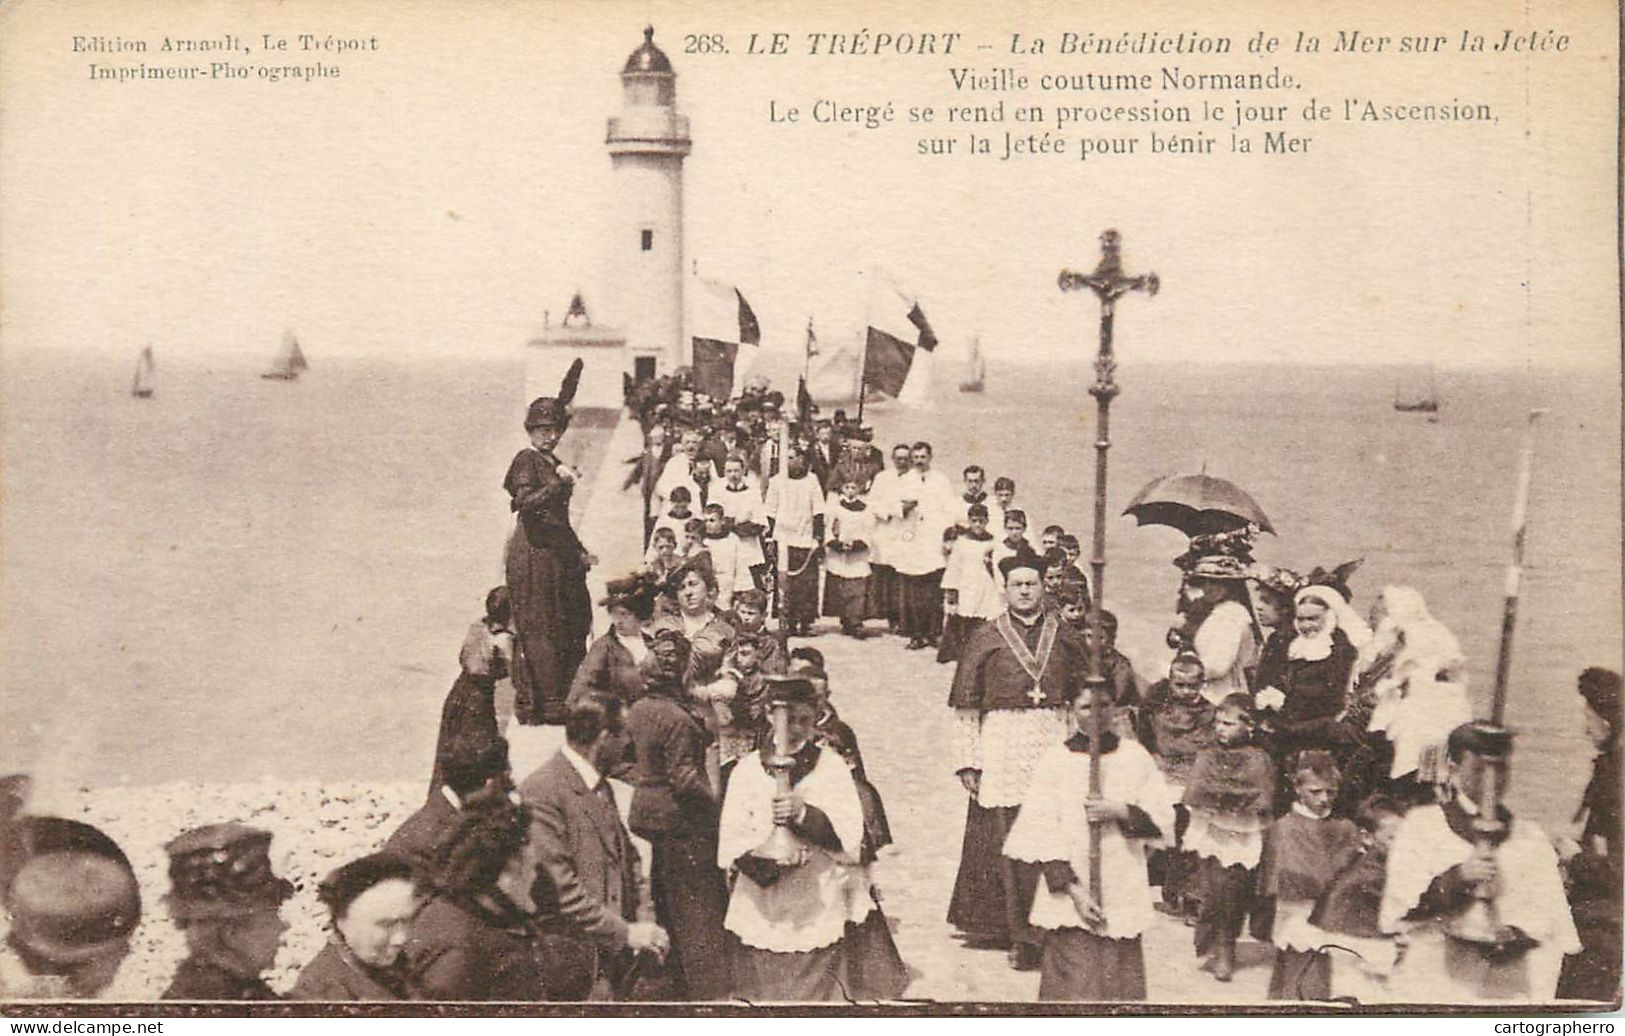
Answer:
(1109, 283)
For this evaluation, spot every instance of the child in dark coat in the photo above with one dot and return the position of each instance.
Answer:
(1304, 851)
(1175, 724)
(1348, 910)
(1229, 796)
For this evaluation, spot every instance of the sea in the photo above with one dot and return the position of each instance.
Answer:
(241, 579)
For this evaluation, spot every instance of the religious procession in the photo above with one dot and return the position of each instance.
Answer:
(1300, 778)
(655, 793)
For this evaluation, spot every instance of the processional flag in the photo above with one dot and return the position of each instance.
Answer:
(723, 321)
(804, 405)
(899, 345)
(812, 340)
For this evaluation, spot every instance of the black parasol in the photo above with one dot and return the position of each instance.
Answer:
(1196, 505)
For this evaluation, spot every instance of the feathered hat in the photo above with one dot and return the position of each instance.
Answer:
(1235, 543)
(1337, 578)
(554, 411)
(635, 593)
(222, 870)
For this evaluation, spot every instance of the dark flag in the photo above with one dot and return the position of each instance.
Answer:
(928, 338)
(722, 323)
(886, 360)
(804, 405)
(714, 367)
(750, 332)
(893, 345)
(812, 340)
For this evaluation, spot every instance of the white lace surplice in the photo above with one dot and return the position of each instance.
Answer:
(1053, 825)
(1228, 839)
(809, 906)
(1005, 744)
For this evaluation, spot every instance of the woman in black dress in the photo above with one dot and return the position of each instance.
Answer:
(546, 565)
(677, 807)
(1303, 691)
(469, 714)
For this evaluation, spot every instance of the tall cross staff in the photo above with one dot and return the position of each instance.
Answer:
(1109, 283)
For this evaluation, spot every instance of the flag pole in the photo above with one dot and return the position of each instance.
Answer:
(863, 356)
(806, 351)
(1109, 283)
(863, 382)
(1479, 923)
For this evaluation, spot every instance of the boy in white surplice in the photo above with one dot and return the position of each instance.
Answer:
(1092, 950)
(790, 918)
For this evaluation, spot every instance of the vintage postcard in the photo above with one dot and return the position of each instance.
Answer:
(577, 507)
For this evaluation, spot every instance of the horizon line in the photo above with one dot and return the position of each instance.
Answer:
(517, 354)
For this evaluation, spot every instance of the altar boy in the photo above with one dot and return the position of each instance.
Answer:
(1092, 949)
(788, 917)
(1441, 863)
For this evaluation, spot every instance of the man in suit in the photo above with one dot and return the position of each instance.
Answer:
(587, 851)
(825, 455)
(470, 764)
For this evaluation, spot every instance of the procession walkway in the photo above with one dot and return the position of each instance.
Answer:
(896, 701)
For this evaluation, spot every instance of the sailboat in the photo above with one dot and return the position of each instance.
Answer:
(975, 368)
(1428, 404)
(141, 386)
(290, 360)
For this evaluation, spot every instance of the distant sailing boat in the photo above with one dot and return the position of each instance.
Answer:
(1428, 404)
(145, 374)
(975, 368)
(289, 361)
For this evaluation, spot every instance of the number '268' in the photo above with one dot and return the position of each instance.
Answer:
(704, 44)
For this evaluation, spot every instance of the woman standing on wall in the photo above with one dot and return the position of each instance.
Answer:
(546, 564)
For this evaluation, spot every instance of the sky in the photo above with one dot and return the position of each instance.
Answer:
(447, 190)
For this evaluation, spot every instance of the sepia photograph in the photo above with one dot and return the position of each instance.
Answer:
(563, 508)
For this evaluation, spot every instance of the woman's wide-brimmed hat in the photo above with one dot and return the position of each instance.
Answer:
(1236, 543)
(1282, 582)
(554, 411)
(634, 593)
(1219, 566)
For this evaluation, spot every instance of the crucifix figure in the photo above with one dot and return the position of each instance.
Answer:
(1109, 283)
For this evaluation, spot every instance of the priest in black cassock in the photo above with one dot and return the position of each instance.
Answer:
(1016, 674)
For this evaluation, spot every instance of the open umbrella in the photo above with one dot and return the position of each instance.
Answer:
(1196, 505)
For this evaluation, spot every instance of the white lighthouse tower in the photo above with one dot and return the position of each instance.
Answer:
(647, 143)
(643, 281)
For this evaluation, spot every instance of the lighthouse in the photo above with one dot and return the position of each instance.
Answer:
(643, 283)
(647, 143)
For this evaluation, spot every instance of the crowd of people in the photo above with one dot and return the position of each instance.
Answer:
(1299, 774)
